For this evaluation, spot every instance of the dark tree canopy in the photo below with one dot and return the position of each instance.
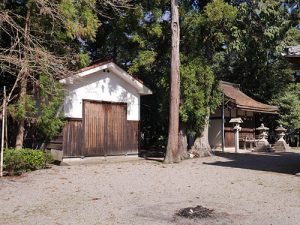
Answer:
(240, 41)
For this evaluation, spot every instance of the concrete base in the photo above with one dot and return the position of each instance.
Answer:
(262, 146)
(232, 150)
(281, 146)
(100, 159)
(56, 154)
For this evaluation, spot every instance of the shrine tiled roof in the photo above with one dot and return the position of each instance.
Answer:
(292, 51)
(242, 101)
(292, 54)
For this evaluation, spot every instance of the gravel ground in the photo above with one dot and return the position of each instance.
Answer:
(241, 189)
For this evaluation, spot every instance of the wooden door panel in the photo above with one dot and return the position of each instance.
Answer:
(229, 139)
(72, 138)
(132, 137)
(104, 128)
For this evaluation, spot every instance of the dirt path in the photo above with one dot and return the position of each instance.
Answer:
(148, 192)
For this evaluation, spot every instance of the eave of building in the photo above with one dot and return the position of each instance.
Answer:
(110, 65)
(242, 101)
(292, 54)
(294, 59)
(258, 110)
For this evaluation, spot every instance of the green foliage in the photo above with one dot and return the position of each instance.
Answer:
(218, 18)
(24, 160)
(50, 119)
(145, 59)
(204, 32)
(253, 57)
(292, 38)
(42, 111)
(21, 111)
(288, 102)
(199, 93)
(227, 40)
(139, 40)
(84, 59)
(220, 13)
(40, 42)
(80, 18)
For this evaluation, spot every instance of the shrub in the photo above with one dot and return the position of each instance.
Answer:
(23, 160)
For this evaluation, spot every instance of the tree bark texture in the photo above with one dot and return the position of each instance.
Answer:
(182, 143)
(21, 123)
(23, 85)
(172, 154)
(201, 147)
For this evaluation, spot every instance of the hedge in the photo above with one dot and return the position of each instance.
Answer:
(18, 161)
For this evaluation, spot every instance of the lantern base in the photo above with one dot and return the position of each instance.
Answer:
(281, 146)
(262, 146)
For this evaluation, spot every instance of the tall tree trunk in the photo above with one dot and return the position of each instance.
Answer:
(21, 122)
(23, 84)
(182, 143)
(172, 154)
(201, 147)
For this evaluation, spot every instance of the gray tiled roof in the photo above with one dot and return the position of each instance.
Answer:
(292, 51)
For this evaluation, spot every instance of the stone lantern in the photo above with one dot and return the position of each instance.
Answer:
(262, 144)
(281, 145)
(262, 132)
(236, 123)
(280, 132)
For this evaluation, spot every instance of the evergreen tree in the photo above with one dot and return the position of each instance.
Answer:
(140, 40)
(288, 102)
(43, 38)
(253, 58)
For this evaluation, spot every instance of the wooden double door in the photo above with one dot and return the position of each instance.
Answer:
(104, 128)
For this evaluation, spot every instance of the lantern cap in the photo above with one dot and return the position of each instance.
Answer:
(262, 127)
(236, 120)
(280, 129)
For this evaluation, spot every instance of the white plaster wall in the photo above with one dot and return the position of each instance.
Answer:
(101, 86)
(215, 133)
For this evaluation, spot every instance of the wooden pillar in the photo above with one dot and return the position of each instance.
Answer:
(223, 123)
(3, 127)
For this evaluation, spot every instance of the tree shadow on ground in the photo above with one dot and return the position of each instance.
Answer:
(285, 162)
